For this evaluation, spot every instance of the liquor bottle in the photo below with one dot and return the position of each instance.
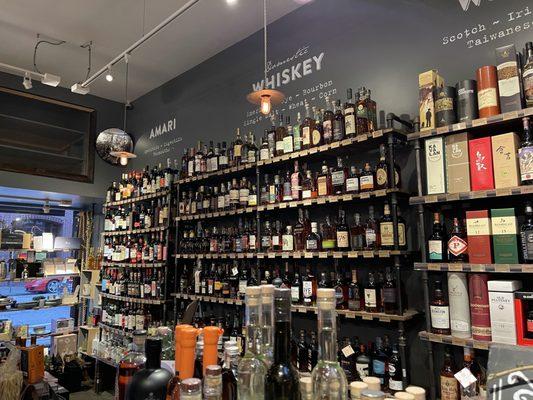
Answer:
(189, 389)
(459, 305)
(309, 287)
(362, 363)
(343, 235)
(354, 293)
(229, 371)
(213, 382)
(296, 289)
(394, 371)
(390, 301)
(338, 178)
(252, 149)
(339, 131)
(525, 152)
(352, 180)
(366, 179)
(440, 311)
(282, 378)
(302, 353)
(309, 189)
(357, 233)
(317, 133)
(237, 148)
(296, 183)
(280, 134)
(449, 386)
(457, 244)
(527, 74)
(152, 381)
(323, 181)
(379, 362)
(327, 124)
(328, 373)
(382, 170)
(341, 291)
(252, 370)
(386, 229)
(329, 237)
(347, 358)
(436, 241)
(526, 235)
(372, 236)
(132, 362)
(288, 139)
(264, 151)
(223, 159)
(267, 315)
(271, 136)
(312, 355)
(471, 391)
(297, 133)
(349, 115)
(313, 241)
(307, 127)
(371, 292)
(362, 113)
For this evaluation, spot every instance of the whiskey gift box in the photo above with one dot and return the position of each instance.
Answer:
(502, 310)
(435, 176)
(467, 108)
(487, 91)
(505, 160)
(478, 231)
(427, 82)
(481, 172)
(459, 305)
(457, 163)
(508, 78)
(479, 307)
(504, 235)
(523, 303)
(445, 105)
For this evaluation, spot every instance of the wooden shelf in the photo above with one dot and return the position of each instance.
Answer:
(134, 265)
(459, 267)
(473, 195)
(201, 216)
(36, 308)
(381, 317)
(454, 341)
(30, 279)
(116, 331)
(504, 120)
(135, 231)
(225, 171)
(298, 254)
(132, 299)
(145, 197)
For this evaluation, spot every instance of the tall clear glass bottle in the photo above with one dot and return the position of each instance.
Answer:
(329, 379)
(252, 370)
(267, 313)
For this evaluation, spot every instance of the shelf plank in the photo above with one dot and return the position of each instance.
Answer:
(132, 299)
(144, 197)
(133, 265)
(299, 254)
(465, 267)
(473, 195)
(454, 341)
(135, 231)
(116, 331)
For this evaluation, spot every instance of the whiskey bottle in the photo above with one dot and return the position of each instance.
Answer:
(264, 151)
(436, 241)
(449, 386)
(379, 362)
(343, 236)
(352, 180)
(366, 179)
(271, 136)
(329, 237)
(527, 74)
(354, 293)
(280, 134)
(525, 154)
(386, 229)
(338, 123)
(308, 186)
(357, 234)
(361, 113)
(313, 351)
(338, 178)
(382, 170)
(390, 301)
(288, 139)
(457, 244)
(313, 241)
(237, 148)
(252, 149)
(296, 289)
(526, 235)
(440, 311)
(394, 371)
(327, 124)
(297, 133)
(317, 133)
(349, 115)
(302, 353)
(287, 189)
(299, 232)
(372, 235)
(309, 287)
(288, 239)
(296, 183)
(371, 294)
(324, 184)
(307, 127)
(223, 160)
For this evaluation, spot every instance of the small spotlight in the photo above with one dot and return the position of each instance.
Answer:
(108, 76)
(231, 2)
(26, 82)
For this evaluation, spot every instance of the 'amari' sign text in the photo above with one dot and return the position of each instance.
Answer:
(163, 128)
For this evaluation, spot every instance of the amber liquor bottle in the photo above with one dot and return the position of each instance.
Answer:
(349, 115)
(317, 133)
(457, 244)
(323, 181)
(366, 179)
(338, 123)
(371, 292)
(327, 123)
(338, 178)
(386, 229)
(307, 127)
(372, 236)
(449, 386)
(343, 235)
(440, 311)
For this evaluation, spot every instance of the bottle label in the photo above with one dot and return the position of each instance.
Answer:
(316, 137)
(252, 200)
(264, 154)
(370, 236)
(394, 384)
(401, 234)
(220, 203)
(347, 351)
(243, 195)
(306, 194)
(322, 186)
(266, 242)
(370, 298)
(237, 150)
(342, 240)
(366, 182)
(448, 388)
(288, 243)
(508, 81)
(242, 286)
(381, 177)
(389, 295)
(440, 317)
(307, 289)
(337, 178)
(435, 250)
(306, 136)
(328, 134)
(279, 146)
(288, 144)
(275, 240)
(328, 243)
(362, 369)
(378, 368)
(525, 158)
(527, 244)
(295, 186)
(295, 294)
(297, 139)
(352, 184)
(312, 244)
(234, 196)
(223, 161)
(349, 122)
(387, 235)
(487, 98)
(457, 246)
(337, 129)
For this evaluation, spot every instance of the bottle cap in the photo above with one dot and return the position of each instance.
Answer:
(190, 385)
(153, 345)
(213, 370)
(253, 290)
(211, 334)
(267, 289)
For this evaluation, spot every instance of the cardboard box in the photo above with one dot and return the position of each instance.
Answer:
(505, 160)
(86, 335)
(481, 170)
(427, 82)
(509, 85)
(435, 174)
(62, 325)
(504, 235)
(523, 302)
(457, 163)
(478, 231)
(32, 363)
(64, 345)
(502, 310)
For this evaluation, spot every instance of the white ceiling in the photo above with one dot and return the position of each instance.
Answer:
(112, 25)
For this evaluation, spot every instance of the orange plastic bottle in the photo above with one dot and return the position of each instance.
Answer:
(211, 336)
(187, 352)
(177, 344)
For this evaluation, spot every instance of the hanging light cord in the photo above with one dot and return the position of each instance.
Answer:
(56, 43)
(88, 46)
(126, 60)
(265, 36)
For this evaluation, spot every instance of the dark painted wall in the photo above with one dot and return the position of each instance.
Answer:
(109, 114)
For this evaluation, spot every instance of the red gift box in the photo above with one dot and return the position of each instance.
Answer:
(478, 231)
(521, 307)
(481, 171)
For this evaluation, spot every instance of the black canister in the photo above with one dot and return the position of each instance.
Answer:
(467, 100)
(445, 105)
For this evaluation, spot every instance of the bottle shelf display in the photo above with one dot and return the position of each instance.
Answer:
(254, 208)
(472, 247)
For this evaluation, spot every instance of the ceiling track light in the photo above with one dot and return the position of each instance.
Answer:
(46, 78)
(108, 75)
(26, 81)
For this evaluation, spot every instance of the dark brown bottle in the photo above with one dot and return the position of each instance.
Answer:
(440, 311)
(457, 244)
(449, 386)
(390, 301)
(372, 299)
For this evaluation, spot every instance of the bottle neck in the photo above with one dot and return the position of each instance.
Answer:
(253, 326)
(327, 332)
(282, 342)
(153, 360)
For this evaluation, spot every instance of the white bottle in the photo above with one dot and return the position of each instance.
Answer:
(459, 305)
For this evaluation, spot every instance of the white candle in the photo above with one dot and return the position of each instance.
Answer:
(417, 391)
(404, 396)
(356, 388)
(372, 382)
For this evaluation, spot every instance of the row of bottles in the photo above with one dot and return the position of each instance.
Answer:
(130, 316)
(450, 389)
(333, 123)
(139, 183)
(135, 249)
(143, 283)
(377, 294)
(304, 235)
(141, 216)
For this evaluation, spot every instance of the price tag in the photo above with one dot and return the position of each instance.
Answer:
(308, 254)
(335, 145)
(465, 377)
(479, 122)
(368, 254)
(367, 317)
(271, 255)
(346, 142)
(384, 253)
(364, 195)
(337, 254)
(347, 351)
(347, 197)
(323, 254)
(321, 200)
(455, 267)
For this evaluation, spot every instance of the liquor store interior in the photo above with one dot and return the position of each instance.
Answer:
(266, 200)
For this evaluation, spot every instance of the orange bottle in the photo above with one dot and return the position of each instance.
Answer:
(177, 344)
(211, 336)
(187, 349)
